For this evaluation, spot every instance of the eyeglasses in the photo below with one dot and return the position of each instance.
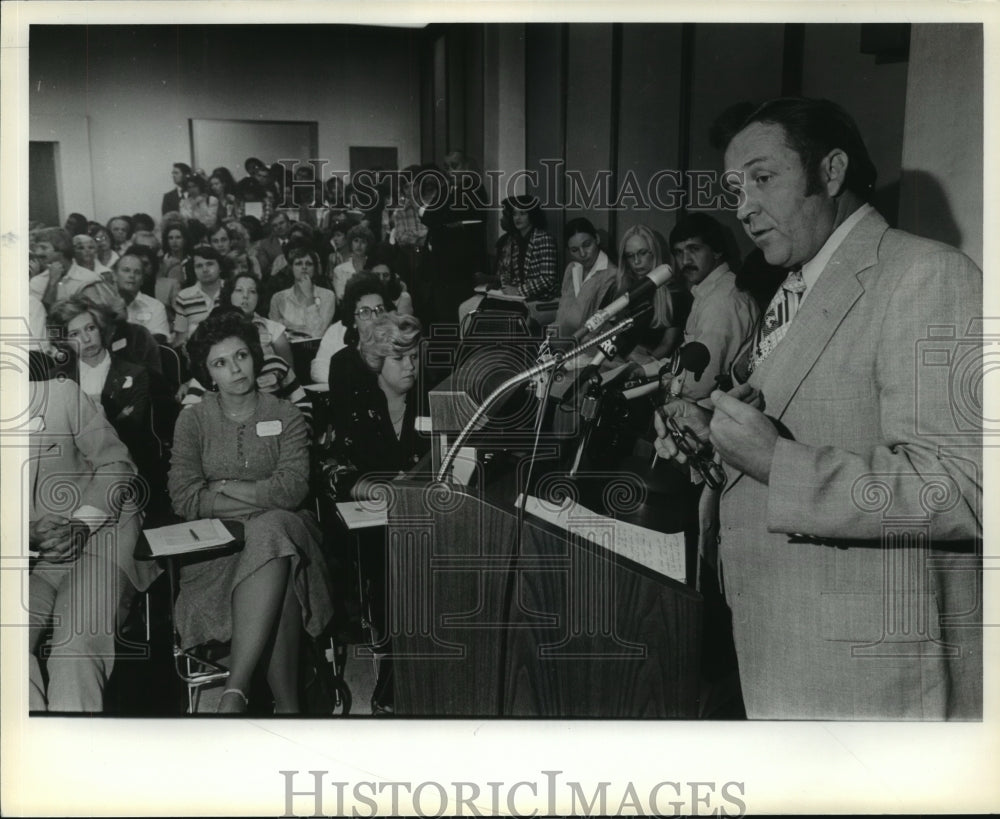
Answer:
(637, 256)
(698, 452)
(369, 312)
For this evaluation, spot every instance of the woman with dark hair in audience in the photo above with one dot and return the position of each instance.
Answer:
(340, 251)
(526, 260)
(83, 570)
(222, 185)
(305, 309)
(276, 375)
(526, 253)
(176, 244)
(199, 205)
(364, 301)
(382, 262)
(122, 388)
(242, 454)
(242, 290)
(100, 235)
(589, 281)
(658, 334)
(374, 421)
(360, 241)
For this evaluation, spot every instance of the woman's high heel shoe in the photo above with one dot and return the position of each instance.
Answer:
(237, 692)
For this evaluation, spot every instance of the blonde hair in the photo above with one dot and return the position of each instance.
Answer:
(662, 308)
(388, 335)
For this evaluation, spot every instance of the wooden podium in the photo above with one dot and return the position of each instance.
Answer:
(561, 628)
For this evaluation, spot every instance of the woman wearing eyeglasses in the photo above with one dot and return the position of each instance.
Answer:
(364, 301)
(655, 335)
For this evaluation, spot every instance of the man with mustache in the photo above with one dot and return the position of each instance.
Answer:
(721, 315)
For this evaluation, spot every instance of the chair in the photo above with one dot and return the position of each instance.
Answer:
(172, 366)
(205, 665)
(303, 352)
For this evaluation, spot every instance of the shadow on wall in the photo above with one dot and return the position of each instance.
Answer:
(923, 208)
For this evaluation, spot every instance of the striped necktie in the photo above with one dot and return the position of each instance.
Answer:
(779, 315)
(772, 326)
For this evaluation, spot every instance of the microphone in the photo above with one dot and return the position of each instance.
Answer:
(646, 286)
(693, 358)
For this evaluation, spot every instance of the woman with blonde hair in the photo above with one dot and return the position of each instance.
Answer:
(655, 335)
(374, 419)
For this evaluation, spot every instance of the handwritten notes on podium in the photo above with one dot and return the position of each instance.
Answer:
(662, 553)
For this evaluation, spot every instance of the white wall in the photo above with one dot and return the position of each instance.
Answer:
(941, 195)
(138, 86)
(504, 146)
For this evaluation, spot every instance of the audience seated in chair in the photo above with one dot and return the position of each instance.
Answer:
(364, 300)
(243, 454)
(84, 576)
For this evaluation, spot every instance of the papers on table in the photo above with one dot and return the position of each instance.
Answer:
(191, 536)
(663, 553)
(500, 294)
(363, 514)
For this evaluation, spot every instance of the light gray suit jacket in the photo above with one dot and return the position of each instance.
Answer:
(852, 576)
(77, 461)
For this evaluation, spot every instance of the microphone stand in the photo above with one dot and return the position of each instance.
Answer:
(532, 372)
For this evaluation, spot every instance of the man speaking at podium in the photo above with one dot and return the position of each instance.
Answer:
(850, 519)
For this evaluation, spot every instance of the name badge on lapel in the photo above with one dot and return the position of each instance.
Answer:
(145, 315)
(267, 429)
(119, 344)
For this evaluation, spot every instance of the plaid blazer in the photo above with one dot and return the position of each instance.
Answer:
(535, 275)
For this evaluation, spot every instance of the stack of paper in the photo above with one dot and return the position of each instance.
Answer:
(192, 536)
(663, 553)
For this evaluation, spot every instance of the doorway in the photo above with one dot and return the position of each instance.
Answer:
(43, 185)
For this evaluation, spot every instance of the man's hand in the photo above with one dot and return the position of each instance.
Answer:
(748, 395)
(743, 435)
(59, 539)
(686, 414)
(45, 528)
(57, 269)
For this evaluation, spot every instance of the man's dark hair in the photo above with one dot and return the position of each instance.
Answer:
(813, 128)
(143, 253)
(699, 226)
(127, 220)
(142, 221)
(184, 168)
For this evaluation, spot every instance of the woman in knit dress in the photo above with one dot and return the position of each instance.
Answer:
(242, 454)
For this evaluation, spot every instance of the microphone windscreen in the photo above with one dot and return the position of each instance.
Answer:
(695, 357)
(660, 274)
